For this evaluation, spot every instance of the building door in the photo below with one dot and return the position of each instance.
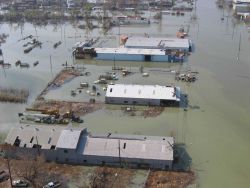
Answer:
(147, 57)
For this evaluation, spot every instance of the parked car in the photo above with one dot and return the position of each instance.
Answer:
(52, 184)
(20, 183)
(4, 176)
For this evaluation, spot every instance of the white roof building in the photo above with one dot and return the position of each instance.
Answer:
(27, 136)
(157, 43)
(141, 94)
(153, 148)
(69, 139)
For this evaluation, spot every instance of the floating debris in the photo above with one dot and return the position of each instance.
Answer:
(57, 44)
(109, 76)
(186, 77)
(3, 38)
(35, 63)
(28, 37)
(145, 74)
(84, 84)
(73, 93)
(101, 81)
(35, 43)
(4, 65)
(126, 72)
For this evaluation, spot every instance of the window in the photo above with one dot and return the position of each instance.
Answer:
(124, 145)
(134, 102)
(125, 102)
(65, 151)
(17, 141)
(53, 147)
(111, 90)
(85, 161)
(37, 146)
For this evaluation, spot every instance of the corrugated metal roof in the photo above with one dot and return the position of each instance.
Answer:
(46, 136)
(156, 43)
(143, 92)
(130, 146)
(69, 139)
(155, 149)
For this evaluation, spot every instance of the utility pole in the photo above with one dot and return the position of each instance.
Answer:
(238, 56)
(6, 148)
(114, 60)
(50, 66)
(8, 164)
(119, 147)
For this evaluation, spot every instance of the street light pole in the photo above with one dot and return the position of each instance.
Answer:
(114, 59)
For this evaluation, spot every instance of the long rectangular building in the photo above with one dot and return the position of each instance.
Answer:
(153, 95)
(78, 146)
(138, 54)
(159, 43)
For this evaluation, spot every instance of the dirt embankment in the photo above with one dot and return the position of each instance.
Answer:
(79, 108)
(166, 179)
(62, 77)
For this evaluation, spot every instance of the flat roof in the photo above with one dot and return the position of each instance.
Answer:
(69, 139)
(46, 136)
(143, 92)
(137, 148)
(123, 50)
(159, 43)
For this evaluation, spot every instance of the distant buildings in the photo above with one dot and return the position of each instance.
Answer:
(77, 146)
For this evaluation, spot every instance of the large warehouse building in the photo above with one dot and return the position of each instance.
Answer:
(153, 95)
(78, 146)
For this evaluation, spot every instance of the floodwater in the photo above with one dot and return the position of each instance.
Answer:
(216, 131)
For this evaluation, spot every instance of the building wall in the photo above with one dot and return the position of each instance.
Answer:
(66, 155)
(119, 57)
(160, 58)
(71, 157)
(132, 101)
(136, 57)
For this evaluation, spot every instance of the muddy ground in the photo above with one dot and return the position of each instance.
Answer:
(165, 179)
(79, 108)
(93, 176)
